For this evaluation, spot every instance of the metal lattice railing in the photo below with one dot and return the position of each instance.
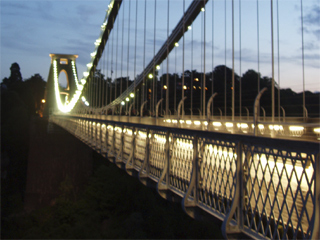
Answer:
(279, 191)
(217, 174)
(265, 188)
(157, 153)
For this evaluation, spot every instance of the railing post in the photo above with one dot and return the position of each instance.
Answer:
(189, 206)
(264, 113)
(130, 163)
(316, 218)
(247, 112)
(305, 113)
(168, 158)
(283, 114)
(220, 112)
(179, 107)
(86, 131)
(119, 156)
(100, 137)
(157, 107)
(113, 141)
(95, 135)
(90, 133)
(106, 141)
(256, 110)
(237, 202)
(162, 188)
(143, 177)
(141, 108)
(130, 108)
(209, 106)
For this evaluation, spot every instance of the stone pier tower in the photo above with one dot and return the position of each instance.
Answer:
(60, 63)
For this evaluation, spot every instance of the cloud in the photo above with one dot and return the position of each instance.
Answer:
(313, 16)
(312, 21)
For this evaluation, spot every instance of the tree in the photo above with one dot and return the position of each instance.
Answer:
(35, 87)
(15, 76)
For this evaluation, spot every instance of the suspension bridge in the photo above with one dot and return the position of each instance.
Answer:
(222, 145)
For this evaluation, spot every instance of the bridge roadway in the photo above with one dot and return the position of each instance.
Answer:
(272, 193)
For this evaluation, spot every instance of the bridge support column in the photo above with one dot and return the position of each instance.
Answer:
(63, 63)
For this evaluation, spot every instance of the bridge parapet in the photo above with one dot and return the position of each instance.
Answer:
(263, 187)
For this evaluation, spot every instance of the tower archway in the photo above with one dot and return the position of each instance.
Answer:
(55, 96)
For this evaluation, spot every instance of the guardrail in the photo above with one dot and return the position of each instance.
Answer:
(265, 188)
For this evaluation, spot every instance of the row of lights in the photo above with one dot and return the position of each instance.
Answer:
(127, 99)
(67, 107)
(242, 125)
(84, 100)
(98, 42)
(93, 54)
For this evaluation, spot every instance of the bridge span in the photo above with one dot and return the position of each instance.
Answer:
(263, 187)
(233, 146)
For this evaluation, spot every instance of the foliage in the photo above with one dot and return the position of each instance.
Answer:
(19, 101)
(113, 205)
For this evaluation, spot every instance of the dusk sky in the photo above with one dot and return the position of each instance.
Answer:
(31, 30)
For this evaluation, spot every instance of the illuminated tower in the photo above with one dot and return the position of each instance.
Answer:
(54, 94)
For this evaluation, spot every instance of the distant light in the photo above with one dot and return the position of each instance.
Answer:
(196, 79)
(43, 100)
(158, 67)
(150, 75)
(131, 95)
(296, 128)
(122, 103)
(165, 87)
(202, 9)
(127, 99)
(176, 44)
(98, 41)
(217, 124)
(197, 123)
(194, 87)
(276, 127)
(316, 130)
(189, 27)
(184, 87)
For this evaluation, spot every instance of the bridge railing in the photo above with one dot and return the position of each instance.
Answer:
(265, 188)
